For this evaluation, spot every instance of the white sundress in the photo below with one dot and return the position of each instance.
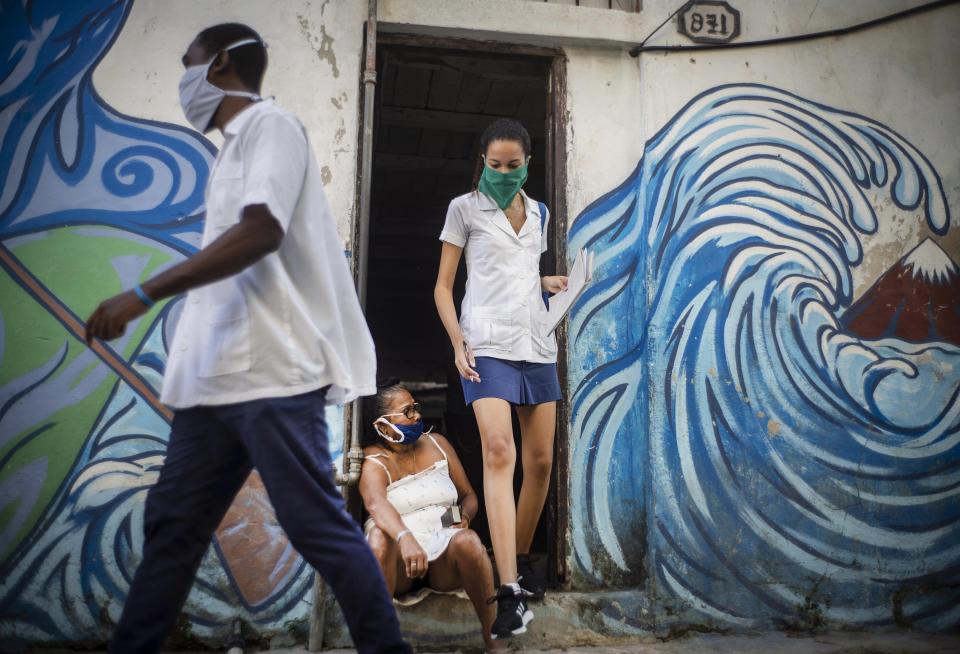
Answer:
(421, 499)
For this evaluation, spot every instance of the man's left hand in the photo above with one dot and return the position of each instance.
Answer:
(110, 319)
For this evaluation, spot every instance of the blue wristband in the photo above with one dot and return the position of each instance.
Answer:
(143, 296)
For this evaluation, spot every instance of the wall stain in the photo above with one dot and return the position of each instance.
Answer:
(339, 100)
(323, 45)
(326, 175)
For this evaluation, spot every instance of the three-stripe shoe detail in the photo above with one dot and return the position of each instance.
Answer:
(513, 614)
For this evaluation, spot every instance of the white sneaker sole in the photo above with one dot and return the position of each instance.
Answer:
(522, 629)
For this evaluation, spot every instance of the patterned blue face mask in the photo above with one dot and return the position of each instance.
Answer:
(406, 434)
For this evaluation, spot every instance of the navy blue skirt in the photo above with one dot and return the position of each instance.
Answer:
(517, 382)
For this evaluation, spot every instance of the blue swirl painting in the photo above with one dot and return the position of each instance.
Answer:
(92, 202)
(754, 442)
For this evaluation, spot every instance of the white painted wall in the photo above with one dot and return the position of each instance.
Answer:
(514, 21)
(604, 132)
(315, 51)
(615, 102)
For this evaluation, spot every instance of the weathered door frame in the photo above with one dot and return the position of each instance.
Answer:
(557, 509)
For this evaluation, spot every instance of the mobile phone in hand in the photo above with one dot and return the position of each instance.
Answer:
(451, 516)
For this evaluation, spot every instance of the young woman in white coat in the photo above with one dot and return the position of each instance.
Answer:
(502, 351)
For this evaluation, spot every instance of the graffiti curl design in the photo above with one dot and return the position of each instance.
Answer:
(781, 461)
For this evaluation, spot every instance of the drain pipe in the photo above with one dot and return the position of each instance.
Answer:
(366, 150)
(354, 454)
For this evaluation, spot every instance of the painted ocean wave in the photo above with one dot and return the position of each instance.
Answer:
(778, 452)
(66, 156)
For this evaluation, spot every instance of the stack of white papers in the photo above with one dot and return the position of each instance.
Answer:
(580, 275)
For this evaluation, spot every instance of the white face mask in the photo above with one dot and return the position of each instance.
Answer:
(199, 98)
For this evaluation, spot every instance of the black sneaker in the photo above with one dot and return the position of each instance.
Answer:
(533, 585)
(513, 616)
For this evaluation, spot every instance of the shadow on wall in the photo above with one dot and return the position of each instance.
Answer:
(793, 459)
(92, 202)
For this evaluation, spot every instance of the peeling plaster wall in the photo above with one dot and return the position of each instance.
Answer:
(506, 20)
(604, 131)
(315, 58)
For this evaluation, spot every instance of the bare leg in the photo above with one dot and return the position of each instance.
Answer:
(499, 459)
(387, 554)
(465, 564)
(537, 428)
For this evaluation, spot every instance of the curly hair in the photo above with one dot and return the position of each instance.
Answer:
(502, 129)
(375, 406)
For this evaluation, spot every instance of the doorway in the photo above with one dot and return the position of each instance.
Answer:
(434, 98)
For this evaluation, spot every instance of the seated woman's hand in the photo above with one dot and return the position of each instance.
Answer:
(414, 558)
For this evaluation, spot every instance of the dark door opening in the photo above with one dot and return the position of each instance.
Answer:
(432, 105)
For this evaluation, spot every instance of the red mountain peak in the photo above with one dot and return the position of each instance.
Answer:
(917, 300)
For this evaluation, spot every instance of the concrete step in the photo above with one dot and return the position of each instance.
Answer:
(444, 622)
(617, 622)
(880, 642)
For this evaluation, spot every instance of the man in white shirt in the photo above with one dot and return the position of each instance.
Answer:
(271, 332)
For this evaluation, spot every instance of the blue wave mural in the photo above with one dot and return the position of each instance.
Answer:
(93, 201)
(737, 444)
(66, 157)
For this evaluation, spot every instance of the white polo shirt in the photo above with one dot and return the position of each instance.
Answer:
(291, 322)
(502, 314)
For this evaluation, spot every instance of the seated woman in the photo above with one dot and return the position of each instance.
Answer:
(409, 482)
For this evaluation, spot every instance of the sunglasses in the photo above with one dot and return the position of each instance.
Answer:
(408, 411)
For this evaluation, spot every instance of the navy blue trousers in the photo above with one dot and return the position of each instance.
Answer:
(212, 449)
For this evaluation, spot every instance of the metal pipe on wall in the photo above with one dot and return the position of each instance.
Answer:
(354, 454)
(366, 153)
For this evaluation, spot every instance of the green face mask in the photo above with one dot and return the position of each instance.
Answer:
(501, 187)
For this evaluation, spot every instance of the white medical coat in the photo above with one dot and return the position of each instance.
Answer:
(502, 314)
(291, 322)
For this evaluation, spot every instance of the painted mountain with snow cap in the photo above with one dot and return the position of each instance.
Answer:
(918, 300)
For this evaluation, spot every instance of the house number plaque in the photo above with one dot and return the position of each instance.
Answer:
(709, 21)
